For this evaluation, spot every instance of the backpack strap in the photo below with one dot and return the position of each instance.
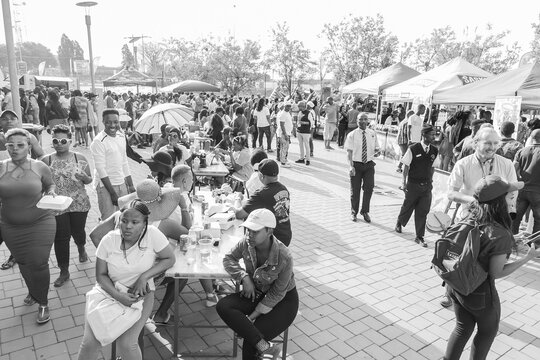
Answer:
(75, 155)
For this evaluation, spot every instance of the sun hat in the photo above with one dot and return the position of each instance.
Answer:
(260, 218)
(268, 167)
(160, 162)
(160, 202)
(492, 186)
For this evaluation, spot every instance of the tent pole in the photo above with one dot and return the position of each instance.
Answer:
(377, 108)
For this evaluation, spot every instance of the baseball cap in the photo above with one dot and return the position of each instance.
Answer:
(492, 186)
(426, 128)
(269, 167)
(310, 104)
(7, 111)
(259, 219)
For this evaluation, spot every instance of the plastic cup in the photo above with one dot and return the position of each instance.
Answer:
(205, 249)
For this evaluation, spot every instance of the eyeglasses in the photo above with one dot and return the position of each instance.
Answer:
(59, 141)
(11, 146)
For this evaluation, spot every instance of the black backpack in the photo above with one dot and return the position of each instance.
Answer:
(456, 258)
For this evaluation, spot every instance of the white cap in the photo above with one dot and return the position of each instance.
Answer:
(259, 219)
(310, 104)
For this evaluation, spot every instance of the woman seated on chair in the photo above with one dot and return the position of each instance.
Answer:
(179, 153)
(131, 256)
(225, 145)
(240, 156)
(268, 302)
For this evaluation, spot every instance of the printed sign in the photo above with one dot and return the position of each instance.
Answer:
(468, 79)
(507, 108)
(81, 67)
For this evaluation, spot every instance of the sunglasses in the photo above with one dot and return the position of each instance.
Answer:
(59, 141)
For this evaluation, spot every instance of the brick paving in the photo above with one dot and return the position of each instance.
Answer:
(365, 291)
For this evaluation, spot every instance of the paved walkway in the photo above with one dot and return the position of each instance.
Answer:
(365, 291)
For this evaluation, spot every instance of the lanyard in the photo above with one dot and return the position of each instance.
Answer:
(482, 166)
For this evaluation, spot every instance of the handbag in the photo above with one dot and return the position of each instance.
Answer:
(108, 318)
(73, 113)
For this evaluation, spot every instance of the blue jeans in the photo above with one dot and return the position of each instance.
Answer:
(481, 308)
(525, 199)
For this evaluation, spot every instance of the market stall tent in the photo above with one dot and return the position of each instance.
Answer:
(190, 86)
(454, 73)
(374, 84)
(129, 77)
(523, 81)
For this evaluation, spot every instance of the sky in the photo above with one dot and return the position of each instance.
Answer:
(113, 20)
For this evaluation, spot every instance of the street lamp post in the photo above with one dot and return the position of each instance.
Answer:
(87, 5)
(10, 46)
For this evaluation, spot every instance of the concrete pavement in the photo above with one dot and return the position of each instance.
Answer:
(366, 292)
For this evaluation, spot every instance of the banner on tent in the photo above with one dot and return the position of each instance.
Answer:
(468, 79)
(507, 108)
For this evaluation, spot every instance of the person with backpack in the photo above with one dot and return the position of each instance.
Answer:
(488, 213)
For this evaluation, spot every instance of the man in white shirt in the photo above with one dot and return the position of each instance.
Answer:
(415, 123)
(112, 174)
(362, 146)
(284, 133)
(470, 169)
(330, 124)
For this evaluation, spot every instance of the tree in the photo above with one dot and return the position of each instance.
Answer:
(68, 51)
(185, 59)
(33, 53)
(154, 58)
(487, 51)
(536, 41)
(235, 66)
(359, 47)
(289, 58)
(128, 60)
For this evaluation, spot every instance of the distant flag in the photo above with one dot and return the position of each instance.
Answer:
(41, 68)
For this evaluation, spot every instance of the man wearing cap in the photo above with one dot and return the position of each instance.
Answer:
(112, 175)
(9, 120)
(305, 122)
(284, 133)
(330, 124)
(527, 163)
(361, 145)
(417, 183)
(274, 196)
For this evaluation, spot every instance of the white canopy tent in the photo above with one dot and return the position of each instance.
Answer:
(374, 84)
(452, 74)
(523, 81)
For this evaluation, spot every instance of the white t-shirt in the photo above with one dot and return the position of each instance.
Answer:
(285, 118)
(127, 269)
(243, 158)
(254, 183)
(261, 116)
(415, 122)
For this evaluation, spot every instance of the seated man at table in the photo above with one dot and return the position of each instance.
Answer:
(274, 196)
(182, 179)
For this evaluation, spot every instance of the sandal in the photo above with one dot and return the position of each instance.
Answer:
(9, 263)
(29, 300)
(164, 322)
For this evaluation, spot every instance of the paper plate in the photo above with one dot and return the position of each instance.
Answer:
(58, 202)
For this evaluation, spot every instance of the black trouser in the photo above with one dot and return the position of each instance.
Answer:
(262, 131)
(526, 199)
(417, 199)
(234, 308)
(478, 309)
(364, 173)
(342, 131)
(254, 136)
(67, 225)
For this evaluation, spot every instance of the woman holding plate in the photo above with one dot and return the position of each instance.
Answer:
(70, 172)
(27, 230)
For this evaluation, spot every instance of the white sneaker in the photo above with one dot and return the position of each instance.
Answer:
(285, 165)
(211, 299)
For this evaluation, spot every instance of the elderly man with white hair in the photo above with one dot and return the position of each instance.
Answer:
(470, 169)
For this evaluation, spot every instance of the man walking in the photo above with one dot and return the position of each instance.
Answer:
(361, 145)
(403, 139)
(331, 113)
(527, 163)
(415, 124)
(284, 133)
(112, 174)
(417, 183)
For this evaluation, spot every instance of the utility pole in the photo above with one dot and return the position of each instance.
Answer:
(10, 46)
(132, 40)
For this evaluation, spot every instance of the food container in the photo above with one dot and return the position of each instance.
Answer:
(57, 202)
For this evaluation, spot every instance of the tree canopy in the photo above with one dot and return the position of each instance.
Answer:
(68, 51)
(33, 53)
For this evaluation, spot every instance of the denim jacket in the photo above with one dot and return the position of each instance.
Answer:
(273, 279)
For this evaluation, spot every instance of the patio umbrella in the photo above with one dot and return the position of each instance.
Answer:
(174, 114)
(190, 86)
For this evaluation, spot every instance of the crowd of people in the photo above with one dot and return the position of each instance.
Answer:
(138, 219)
